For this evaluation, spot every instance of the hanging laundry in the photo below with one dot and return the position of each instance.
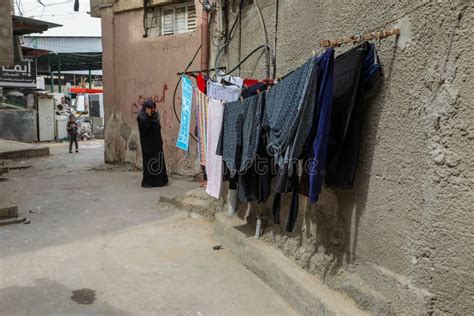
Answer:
(314, 126)
(252, 128)
(352, 70)
(201, 83)
(230, 142)
(214, 162)
(317, 142)
(250, 82)
(255, 182)
(255, 168)
(254, 89)
(372, 67)
(200, 101)
(186, 101)
(231, 80)
(220, 92)
(286, 104)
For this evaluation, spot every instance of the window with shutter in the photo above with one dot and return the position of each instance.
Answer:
(178, 19)
(167, 22)
(191, 19)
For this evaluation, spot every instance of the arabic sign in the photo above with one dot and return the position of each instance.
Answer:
(183, 137)
(22, 74)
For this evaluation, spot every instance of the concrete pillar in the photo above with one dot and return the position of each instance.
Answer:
(6, 33)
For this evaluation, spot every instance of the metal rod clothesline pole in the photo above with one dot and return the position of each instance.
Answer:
(359, 38)
(199, 71)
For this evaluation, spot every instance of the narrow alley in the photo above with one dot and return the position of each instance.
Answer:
(236, 157)
(99, 244)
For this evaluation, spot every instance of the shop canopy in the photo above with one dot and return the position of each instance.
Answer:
(68, 53)
(72, 61)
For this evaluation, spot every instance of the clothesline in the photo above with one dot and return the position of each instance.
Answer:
(275, 128)
(327, 43)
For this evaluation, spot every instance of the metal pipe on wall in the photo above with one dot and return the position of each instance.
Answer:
(204, 38)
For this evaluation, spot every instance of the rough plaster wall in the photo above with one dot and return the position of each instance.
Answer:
(18, 125)
(6, 35)
(401, 240)
(144, 67)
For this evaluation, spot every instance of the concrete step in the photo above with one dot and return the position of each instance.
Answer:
(9, 211)
(13, 150)
(197, 201)
(305, 292)
(10, 221)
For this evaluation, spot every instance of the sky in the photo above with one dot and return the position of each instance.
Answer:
(61, 12)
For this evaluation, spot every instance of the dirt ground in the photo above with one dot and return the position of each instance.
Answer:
(98, 244)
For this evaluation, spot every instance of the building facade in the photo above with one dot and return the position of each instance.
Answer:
(401, 241)
(137, 67)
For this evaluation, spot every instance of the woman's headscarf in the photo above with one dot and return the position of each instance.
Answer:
(150, 104)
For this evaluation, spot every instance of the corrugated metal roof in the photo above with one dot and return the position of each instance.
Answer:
(65, 44)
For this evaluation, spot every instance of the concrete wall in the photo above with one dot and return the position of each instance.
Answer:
(135, 66)
(18, 125)
(402, 240)
(6, 33)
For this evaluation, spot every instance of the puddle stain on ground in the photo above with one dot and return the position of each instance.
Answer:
(83, 296)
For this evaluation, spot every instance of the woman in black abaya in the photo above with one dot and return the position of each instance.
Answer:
(154, 167)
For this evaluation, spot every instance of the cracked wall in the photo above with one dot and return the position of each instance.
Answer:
(401, 241)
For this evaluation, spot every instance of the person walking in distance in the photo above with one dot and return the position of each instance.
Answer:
(72, 132)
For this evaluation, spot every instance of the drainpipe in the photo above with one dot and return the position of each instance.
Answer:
(204, 39)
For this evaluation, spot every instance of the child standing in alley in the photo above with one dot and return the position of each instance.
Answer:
(72, 132)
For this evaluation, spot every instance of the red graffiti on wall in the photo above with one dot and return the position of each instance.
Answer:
(136, 106)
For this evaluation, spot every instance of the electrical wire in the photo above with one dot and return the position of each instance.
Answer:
(277, 8)
(245, 59)
(230, 35)
(265, 35)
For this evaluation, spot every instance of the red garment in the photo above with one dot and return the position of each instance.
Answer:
(201, 83)
(250, 82)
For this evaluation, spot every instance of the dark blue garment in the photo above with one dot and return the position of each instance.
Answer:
(316, 142)
(318, 150)
(371, 67)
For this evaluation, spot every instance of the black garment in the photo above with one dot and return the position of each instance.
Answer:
(255, 182)
(154, 167)
(256, 164)
(346, 119)
(73, 139)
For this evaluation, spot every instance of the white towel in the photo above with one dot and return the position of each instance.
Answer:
(214, 166)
